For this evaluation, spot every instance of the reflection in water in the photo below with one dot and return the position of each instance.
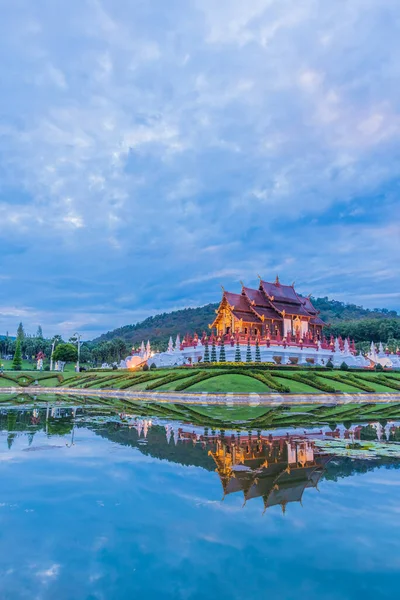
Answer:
(276, 467)
(105, 505)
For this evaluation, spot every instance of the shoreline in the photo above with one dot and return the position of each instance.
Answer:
(228, 399)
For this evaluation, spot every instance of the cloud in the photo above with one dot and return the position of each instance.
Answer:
(146, 148)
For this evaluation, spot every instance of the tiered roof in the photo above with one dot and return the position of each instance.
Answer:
(284, 298)
(270, 301)
(241, 307)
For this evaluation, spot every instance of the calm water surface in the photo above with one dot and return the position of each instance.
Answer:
(100, 507)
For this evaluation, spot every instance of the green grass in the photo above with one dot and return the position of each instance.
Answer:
(226, 383)
(223, 383)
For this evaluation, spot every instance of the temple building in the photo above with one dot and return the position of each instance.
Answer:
(272, 324)
(277, 469)
(273, 310)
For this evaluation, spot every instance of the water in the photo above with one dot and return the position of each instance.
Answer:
(97, 506)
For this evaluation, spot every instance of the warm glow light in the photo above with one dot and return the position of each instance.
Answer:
(134, 361)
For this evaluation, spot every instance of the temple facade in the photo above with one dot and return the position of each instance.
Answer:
(270, 324)
(273, 311)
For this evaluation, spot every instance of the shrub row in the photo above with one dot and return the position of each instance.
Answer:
(349, 380)
(271, 383)
(135, 380)
(383, 380)
(267, 380)
(309, 379)
(169, 379)
(202, 376)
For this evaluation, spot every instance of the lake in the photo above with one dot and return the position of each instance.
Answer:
(103, 504)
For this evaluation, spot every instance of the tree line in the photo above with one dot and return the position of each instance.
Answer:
(28, 347)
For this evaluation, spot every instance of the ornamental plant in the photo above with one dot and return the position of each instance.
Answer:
(222, 355)
(206, 352)
(17, 360)
(238, 357)
(258, 353)
(213, 352)
(248, 352)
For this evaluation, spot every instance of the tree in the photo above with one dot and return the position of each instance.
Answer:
(213, 352)
(258, 353)
(66, 353)
(222, 355)
(206, 352)
(238, 356)
(248, 352)
(20, 332)
(17, 360)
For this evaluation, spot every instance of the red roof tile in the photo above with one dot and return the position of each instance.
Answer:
(257, 297)
(267, 313)
(249, 317)
(239, 301)
(291, 309)
(282, 293)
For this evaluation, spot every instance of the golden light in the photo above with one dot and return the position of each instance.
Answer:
(133, 362)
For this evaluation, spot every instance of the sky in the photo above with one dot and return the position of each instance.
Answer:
(152, 151)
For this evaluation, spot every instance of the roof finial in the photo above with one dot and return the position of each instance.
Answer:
(277, 282)
(223, 289)
(293, 284)
(241, 283)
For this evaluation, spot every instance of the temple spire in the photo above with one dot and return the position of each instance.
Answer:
(277, 282)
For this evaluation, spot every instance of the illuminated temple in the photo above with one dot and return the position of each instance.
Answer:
(273, 311)
(276, 469)
(274, 324)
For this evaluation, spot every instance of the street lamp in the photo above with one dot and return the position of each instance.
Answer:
(78, 342)
(52, 352)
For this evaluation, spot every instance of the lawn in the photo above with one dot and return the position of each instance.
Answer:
(229, 380)
(226, 383)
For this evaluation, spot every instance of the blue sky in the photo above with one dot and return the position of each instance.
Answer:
(151, 151)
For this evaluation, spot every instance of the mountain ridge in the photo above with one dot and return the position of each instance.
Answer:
(160, 327)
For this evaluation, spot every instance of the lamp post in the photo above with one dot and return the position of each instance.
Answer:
(78, 342)
(52, 352)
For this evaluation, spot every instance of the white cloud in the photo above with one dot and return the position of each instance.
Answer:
(231, 126)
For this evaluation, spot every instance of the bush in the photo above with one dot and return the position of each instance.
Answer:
(329, 364)
(145, 367)
(115, 368)
(344, 366)
(176, 376)
(309, 379)
(46, 368)
(153, 366)
(350, 379)
(378, 367)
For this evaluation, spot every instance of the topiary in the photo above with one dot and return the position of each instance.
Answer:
(344, 366)
(329, 364)
(238, 357)
(145, 367)
(378, 367)
(153, 366)
(222, 355)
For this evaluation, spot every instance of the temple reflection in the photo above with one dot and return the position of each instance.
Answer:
(276, 468)
(273, 467)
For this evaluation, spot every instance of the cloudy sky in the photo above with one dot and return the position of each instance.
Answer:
(152, 151)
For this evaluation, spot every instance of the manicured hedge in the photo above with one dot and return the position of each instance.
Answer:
(309, 379)
(267, 380)
(349, 380)
(169, 379)
(383, 380)
(271, 383)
